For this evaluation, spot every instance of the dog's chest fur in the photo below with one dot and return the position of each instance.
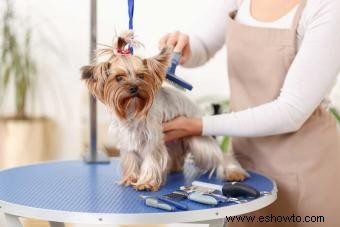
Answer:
(132, 134)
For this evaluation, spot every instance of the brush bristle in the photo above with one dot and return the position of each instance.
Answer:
(175, 85)
(178, 81)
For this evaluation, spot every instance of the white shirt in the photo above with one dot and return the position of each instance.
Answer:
(244, 17)
(309, 80)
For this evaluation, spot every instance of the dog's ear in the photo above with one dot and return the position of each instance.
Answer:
(90, 77)
(158, 64)
(87, 72)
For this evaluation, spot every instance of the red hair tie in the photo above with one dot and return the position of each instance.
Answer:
(119, 51)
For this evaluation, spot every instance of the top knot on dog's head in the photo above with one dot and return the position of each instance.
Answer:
(121, 45)
(126, 38)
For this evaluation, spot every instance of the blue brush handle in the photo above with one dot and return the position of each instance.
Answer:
(173, 203)
(174, 62)
(170, 74)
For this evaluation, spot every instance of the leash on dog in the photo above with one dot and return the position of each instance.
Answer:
(171, 77)
(131, 9)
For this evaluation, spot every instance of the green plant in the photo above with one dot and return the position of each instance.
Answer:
(16, 64)
(336, 113)
(221, 105)
(224, 141)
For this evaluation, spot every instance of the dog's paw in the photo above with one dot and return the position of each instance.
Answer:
(235, 174)
(128, 181)
(146, 187)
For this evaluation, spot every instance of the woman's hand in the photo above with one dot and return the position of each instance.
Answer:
(180, 42)
(182, 127)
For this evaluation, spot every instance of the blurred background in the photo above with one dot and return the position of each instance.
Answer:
(44, 105)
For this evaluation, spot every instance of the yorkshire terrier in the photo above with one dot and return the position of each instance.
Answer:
(131, 88)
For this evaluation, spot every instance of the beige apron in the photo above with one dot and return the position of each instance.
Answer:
(305, 164)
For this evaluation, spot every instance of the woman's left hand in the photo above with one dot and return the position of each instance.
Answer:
(182, 127)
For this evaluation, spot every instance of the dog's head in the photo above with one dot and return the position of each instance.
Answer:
(126, 83)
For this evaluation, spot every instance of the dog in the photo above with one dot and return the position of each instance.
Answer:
(131, 88)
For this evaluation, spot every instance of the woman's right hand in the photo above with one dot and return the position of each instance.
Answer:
(180, 42)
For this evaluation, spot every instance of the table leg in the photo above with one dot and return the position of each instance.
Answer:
(56, 224)
(12, 221)
(214, 223)
(217, 223)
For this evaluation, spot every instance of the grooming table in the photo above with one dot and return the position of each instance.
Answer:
(76, 192)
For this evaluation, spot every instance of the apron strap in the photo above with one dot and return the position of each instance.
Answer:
(298, 14)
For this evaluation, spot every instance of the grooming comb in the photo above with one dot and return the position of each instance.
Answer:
(171, 76)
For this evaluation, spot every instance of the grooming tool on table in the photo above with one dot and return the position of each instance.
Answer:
(232, 189)
(157, 203)
(198, 196)
(174, 198)
(207, 196)
(171, 76)
(192, 188)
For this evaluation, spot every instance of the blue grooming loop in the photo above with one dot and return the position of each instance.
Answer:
(75, 192)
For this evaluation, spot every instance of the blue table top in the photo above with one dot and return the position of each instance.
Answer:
(89, 188)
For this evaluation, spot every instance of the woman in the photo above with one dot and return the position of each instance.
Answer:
(283, 59)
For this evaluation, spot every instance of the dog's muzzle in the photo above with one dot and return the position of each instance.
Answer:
(133, 89)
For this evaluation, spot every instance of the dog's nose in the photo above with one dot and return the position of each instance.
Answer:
(133, 89)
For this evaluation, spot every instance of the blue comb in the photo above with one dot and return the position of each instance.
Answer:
(172, 78)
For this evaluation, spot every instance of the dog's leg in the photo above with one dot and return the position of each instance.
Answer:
(154, 168)
(177, 153)
(206, 153)
(130, 163)
(208, 156)
(233, 170)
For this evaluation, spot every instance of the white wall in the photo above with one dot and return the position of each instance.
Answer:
(64, 25)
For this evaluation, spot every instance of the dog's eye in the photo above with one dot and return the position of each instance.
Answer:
(119, 78)
(140, 76)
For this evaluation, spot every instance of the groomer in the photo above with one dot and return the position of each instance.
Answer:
(283, 60)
